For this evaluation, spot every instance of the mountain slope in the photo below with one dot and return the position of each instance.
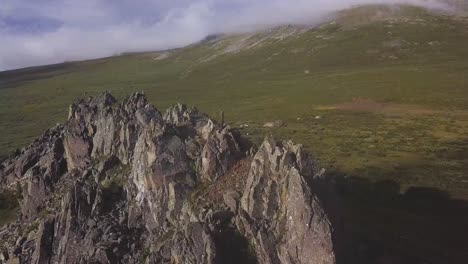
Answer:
(378, 92)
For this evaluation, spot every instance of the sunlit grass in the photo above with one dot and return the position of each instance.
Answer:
(420, 63)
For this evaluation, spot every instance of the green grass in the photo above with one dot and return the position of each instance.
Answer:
(413, 59)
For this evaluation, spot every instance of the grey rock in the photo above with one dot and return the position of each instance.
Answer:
(190, 118)
(192, 244)
(280, 213)
(219, 154)
(231, 199)
(77, 145)
(34, 195)
(120, 183)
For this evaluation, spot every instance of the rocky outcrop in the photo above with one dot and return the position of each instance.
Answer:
(280, 214)
(219, 154)
(45, 151)
(122, 183)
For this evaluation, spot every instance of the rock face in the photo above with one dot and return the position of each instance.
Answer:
(123, 183)
(279, 213)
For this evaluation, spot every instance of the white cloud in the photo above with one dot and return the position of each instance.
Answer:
(99, 28)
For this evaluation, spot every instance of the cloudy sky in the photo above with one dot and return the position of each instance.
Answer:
(37, 32)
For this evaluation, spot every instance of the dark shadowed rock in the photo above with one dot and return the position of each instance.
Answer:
(44, 250)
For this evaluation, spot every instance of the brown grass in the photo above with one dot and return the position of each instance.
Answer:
(371, 106)
(235, 179)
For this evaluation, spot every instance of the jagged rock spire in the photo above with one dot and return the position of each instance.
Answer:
(121, 183)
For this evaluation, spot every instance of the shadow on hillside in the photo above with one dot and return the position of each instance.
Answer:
(376, 223)
(14, 78)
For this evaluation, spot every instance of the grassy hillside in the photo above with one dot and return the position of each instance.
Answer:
(379, 93)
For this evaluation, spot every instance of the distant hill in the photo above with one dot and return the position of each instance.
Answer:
(458, 4)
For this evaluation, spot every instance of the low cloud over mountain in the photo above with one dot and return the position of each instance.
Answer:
(53, 31)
